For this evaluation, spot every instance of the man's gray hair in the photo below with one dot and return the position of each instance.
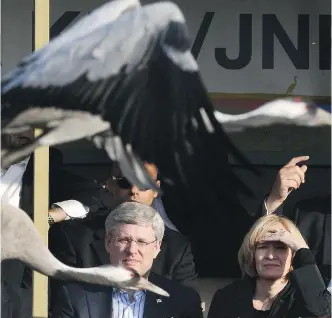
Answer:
(135, 213)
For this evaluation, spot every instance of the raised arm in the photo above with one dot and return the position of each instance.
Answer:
(289, 178)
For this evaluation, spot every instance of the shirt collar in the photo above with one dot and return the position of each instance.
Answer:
(137, 293)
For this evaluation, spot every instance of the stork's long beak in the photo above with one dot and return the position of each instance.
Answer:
(145, 284)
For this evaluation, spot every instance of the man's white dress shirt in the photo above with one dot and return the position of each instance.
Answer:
(11, 183)
(11, 186)
(123, 307)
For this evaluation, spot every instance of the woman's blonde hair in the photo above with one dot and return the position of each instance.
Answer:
(262, 226)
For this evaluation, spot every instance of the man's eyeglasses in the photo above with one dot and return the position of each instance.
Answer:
(124, 242)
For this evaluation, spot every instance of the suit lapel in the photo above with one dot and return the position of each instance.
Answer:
(154, 306)
(98, 246)
(100, 303)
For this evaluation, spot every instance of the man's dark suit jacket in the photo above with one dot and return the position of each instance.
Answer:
(10, 301)
(91, 301)
(80, 243)
(313, 217)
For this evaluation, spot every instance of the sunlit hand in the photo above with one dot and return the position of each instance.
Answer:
(289, 177)
(293, 241)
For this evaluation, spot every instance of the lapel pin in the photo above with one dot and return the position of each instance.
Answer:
(159, 300)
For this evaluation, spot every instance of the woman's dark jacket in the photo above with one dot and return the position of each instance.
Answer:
(305, 295)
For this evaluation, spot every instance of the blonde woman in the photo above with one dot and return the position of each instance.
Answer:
(280, 277)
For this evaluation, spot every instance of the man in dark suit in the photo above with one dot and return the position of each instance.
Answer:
(80, 243)
(134, 233)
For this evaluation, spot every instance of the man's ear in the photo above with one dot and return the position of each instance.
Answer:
(157, 250)
(156, 193)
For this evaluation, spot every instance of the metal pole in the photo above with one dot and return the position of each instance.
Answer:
(41, 172)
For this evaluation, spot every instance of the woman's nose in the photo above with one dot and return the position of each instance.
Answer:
(271, 253)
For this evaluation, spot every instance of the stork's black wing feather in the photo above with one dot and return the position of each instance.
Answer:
(138, 73)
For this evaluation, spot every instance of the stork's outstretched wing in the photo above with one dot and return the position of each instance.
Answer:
(29, 247)
(138, 74)
(62, 124)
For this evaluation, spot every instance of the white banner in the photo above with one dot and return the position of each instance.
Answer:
(261, 64)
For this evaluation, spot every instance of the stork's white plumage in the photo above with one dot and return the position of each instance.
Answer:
(281, 111)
